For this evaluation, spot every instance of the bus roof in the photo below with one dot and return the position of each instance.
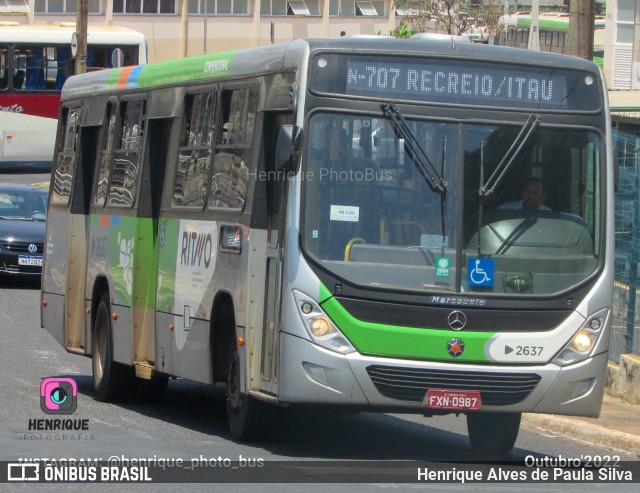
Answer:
(289, 56)
(61, 34)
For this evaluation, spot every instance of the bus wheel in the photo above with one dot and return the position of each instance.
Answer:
(493, 432)
(244, 413)
(111, 381)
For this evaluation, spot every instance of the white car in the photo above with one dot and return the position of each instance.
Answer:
(477, 31)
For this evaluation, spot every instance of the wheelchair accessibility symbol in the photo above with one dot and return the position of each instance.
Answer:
(480, 272)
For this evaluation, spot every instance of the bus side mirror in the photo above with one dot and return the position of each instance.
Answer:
(288, 148)
(117, 58)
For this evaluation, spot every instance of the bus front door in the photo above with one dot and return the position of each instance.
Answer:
(266, 269)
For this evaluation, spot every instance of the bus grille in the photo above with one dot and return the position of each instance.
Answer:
(410, 384)
(21, 247)
(437, 317)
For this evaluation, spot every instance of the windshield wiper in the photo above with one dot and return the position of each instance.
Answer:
(421, 160)
(515, 235)
(417, 153)
(509, 157)
(488, 187)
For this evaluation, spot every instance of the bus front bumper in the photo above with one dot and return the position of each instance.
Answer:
(310, 374)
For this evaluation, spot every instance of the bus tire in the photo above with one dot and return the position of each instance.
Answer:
(245, 415)
(493, 432)
(111, 381)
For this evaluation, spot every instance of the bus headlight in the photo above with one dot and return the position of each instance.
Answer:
(320, 326)
(322, 330)
(582, 343)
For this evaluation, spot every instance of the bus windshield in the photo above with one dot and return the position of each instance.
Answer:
(371, 218)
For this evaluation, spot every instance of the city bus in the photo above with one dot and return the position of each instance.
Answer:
(35, 61)
(553, 30)
(318, 223)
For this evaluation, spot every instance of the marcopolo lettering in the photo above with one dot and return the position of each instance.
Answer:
(197, 249)
(458, 301)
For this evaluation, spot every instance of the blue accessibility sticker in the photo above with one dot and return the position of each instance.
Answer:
(480, 272)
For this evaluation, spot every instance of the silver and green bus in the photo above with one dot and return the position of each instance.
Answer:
(553, 33)
(323, 223)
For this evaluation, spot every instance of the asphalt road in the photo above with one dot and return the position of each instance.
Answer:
(190, 423)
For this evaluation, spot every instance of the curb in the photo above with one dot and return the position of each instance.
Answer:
(583, 432)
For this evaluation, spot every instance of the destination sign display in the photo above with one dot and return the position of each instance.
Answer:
(456, 82)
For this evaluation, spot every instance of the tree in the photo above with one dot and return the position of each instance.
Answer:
(449, 16)
(402, 31)
(580, 39)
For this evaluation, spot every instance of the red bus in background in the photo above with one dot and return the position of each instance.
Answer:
(35, 61)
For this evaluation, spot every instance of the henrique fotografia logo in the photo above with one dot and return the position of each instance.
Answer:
(58, 395)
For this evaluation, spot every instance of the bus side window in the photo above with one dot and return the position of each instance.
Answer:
(127, 154)
(130, 55)
(59, 68)
(233, 154)
(106, 153)
(4, 69)
(66, 158)
(18, 79)
(35, 68)
(194, 153)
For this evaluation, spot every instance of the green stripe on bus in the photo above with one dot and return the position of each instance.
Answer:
(201, 67)
(169, 228)
(145, 264)
(132, 253)
(113, 76)
(546, 24)
(173, 71)
(325, 294)
(405, 342)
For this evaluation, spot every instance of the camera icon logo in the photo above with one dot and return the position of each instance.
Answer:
(58, 395)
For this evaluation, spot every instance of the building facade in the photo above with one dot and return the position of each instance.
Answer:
(622, 47)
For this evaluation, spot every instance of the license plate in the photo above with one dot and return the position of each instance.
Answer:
(460, 400)
(35, 261)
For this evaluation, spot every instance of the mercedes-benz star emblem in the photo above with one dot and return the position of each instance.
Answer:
(457, 320)
(455, 348)
(32, 248)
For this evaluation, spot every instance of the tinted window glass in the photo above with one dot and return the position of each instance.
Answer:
(233, 153)
(66, 159)
(127, 156)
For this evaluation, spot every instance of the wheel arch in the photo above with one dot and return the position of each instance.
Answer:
(222, 331)
(100, 286)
